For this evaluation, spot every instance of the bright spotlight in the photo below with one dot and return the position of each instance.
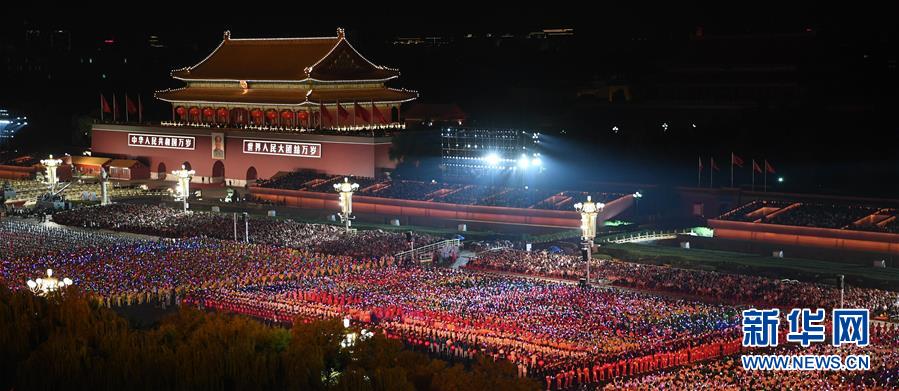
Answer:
(523, 162)
(492, 159)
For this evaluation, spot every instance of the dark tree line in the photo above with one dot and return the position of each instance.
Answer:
(65, 342)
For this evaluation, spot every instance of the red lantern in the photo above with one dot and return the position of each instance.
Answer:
(207, 112)
(287, 114)
(302, 115)
(223, 112)
(256, 113)
(271, 114)
(194, 111)
(180, 110)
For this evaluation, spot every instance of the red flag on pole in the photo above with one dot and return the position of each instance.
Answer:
(115, 108)
(377, 113)
(769, 168)
(105, 104)
(342, 112)
(715, 166)
(360, 111)
(325, 113)
(129, 105)
(756, 167)
(734, 159)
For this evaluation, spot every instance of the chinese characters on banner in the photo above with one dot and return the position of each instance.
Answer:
(161, 141)
(282, 148)
(218, 146)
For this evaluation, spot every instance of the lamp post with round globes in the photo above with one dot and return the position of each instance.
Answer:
(44, 286)
(589, 210)
(182, 191)
(346, 189)
(51, 165)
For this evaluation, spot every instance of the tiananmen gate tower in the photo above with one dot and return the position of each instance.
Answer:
(256, 107)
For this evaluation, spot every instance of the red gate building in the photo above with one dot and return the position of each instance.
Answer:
(255, 107)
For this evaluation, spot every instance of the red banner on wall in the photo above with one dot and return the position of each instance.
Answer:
(278, 148)
(161, 141)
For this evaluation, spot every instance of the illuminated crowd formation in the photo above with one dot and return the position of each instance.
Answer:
(172, 223)
(736, 288)
(728, 373)
(565, 335)
(542, 326)
(120, 271)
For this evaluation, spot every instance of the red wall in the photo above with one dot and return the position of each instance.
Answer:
(410, 208)
(807, 236)
(349, 156)
(17, 172)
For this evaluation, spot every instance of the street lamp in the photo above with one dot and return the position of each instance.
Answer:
(346, 190)
(51, 165)
(588, 210)
(637, 196)
(182, 191)
(44, 286)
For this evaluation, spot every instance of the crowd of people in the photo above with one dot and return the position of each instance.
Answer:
(563, 334)
(546, 328)
(728, 373)
(173, 223)
(822, 215)
(118, 271)
(20, 239)
(819, 215)
(736, 288)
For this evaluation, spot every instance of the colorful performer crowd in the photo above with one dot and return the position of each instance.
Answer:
(734, 288)
(118, 271)
(172, 223)
(565, 335)
(547, 329)
(728, 373)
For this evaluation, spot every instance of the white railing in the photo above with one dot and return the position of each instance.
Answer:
(419, 253)
(645, 236)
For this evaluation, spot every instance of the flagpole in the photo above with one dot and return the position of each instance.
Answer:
(127, 109)
(765, 173)
(101, 107)
(140, 110)
(731, 169)
(699, 174)
(115, 109)
(711, 172)
(753, 174)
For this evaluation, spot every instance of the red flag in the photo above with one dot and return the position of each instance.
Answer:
(769, 168)
(325, 113)
(734, 159)
(105, 104)
(342, 112)
(755, 167)
(377, 113)
(700, 164)
(360, 111)
(129, 105)
(715, 166)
